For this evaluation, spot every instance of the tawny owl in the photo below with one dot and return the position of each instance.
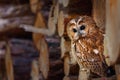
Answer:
(87, 44)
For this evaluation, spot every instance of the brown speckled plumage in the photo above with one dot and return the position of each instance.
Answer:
(87, 44)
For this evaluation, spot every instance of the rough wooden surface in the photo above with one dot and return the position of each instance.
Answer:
(35, 70)
(112, 37)
(99, 12)
(9, 63)
(65, 47)
(44, 58)
(41, 45)
(34, 5)
(61, 23)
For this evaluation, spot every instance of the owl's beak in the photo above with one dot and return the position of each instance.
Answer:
(82, 33)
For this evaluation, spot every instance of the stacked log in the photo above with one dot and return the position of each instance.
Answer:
(112, 37)
(9, 63)
(35, 70)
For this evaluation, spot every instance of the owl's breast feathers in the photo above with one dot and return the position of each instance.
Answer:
(89, 53)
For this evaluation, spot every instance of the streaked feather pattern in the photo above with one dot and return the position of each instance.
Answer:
(87, 48)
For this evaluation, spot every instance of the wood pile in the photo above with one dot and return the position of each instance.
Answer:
(24, 55)
(47, 18)
(59, 15)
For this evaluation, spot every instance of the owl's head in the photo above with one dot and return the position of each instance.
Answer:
(80, 27)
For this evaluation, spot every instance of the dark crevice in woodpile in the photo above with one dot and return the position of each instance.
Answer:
(56, 64)
(81, 7)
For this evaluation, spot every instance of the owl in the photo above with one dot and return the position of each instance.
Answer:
(87, 45)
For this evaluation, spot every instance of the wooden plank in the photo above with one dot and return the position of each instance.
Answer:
(112, 37)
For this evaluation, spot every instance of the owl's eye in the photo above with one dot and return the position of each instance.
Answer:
(74, 30)
(82, 27)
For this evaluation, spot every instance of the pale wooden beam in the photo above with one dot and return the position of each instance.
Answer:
(112, 38)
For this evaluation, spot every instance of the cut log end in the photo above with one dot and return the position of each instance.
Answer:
(62, 23)
(35, 70)
(35, 5)
(65, 47)
(44, 58)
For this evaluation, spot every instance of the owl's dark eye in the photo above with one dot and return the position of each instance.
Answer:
(82, 27)
(74, 30)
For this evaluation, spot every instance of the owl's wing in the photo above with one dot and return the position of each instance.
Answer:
(90, 56)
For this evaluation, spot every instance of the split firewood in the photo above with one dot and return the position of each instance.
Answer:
(56, 12)
(70, 70)
(64, 2)
(61, 26)
(41, 45)
(62, 23)
(99, 13)
(35, 70)
(43, 58)
(112, 36)
(67, 65)
(39, 23)
(52, 21)
(42, 28)
(65, 47)
(35, 5)
(9, 63)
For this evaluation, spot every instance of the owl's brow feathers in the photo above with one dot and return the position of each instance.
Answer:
(77, 20)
